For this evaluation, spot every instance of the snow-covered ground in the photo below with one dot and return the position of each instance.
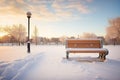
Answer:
(49, 63)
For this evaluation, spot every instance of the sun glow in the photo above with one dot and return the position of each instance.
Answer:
(2, 34)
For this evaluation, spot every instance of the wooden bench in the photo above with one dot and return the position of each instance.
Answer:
(86, 46)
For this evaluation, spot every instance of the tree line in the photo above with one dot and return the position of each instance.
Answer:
(18, 34)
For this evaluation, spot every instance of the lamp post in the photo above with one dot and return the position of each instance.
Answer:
(28, 43)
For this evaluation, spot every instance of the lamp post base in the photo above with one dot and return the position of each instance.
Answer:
(28, 47)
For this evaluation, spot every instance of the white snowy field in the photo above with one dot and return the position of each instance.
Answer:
(49, 63)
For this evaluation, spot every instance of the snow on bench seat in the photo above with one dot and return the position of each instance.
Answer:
(86, 49)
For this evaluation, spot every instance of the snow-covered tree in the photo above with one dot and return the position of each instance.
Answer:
(16, 31)
(63, 39)
(88, 35)
(35, 35)
(113, 30)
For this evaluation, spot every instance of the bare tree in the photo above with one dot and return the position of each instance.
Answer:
(63, 39)
(88, 35)
(16, 31)
(113, 31)
(35, 35)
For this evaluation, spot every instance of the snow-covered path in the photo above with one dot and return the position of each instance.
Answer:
(54, 67)
(48, 63)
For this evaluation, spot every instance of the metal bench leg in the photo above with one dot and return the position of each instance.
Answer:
(100, 56)
(106, 52)
(67, 55)
(104, 56)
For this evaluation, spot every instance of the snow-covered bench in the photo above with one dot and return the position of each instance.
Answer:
(86, 46)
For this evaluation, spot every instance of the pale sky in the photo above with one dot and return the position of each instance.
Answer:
(55, 18)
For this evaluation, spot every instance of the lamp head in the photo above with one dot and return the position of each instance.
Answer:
(28, 14)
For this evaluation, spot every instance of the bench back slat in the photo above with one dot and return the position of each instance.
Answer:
(86, 43)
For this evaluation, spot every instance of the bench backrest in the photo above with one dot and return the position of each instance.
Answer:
(84, 43)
